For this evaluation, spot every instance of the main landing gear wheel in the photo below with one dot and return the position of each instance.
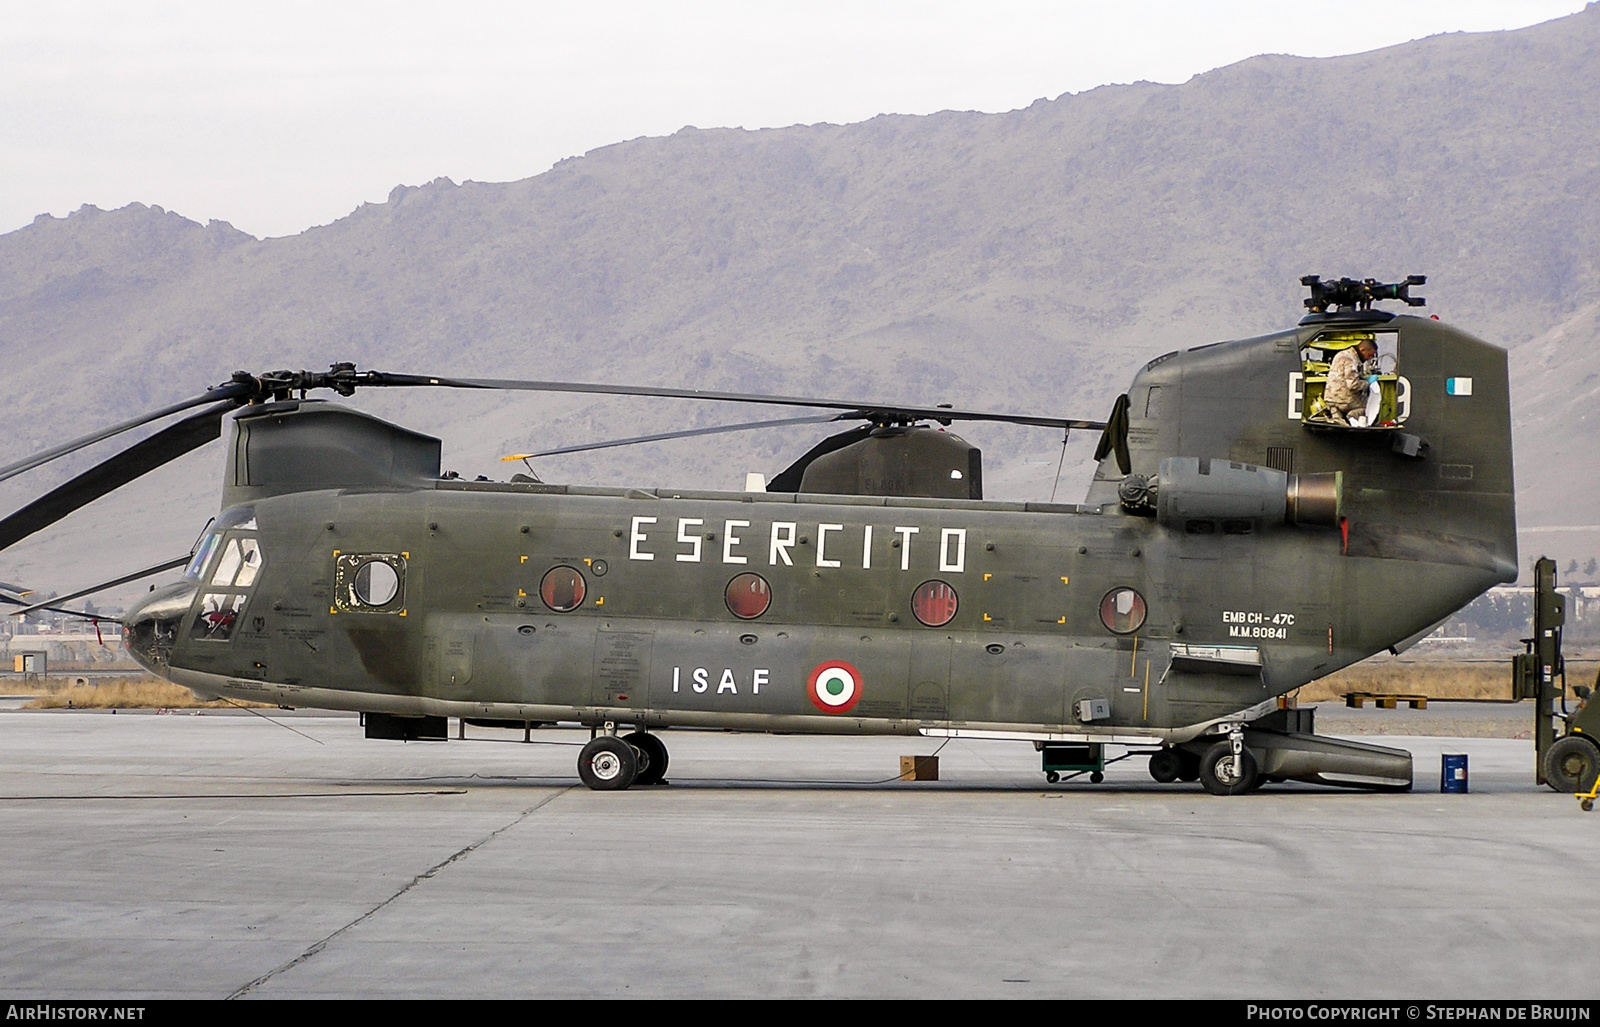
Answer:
(652, 758)
(1188, 765)
(1165, 766)
(608, 764)
(1222, 773)
(1571, 764)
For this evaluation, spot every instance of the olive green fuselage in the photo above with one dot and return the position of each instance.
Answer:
(637, 625)
(654, 641)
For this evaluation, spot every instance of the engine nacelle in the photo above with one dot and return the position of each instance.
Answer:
(1205, 489)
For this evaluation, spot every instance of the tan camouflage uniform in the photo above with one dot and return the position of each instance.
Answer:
(1346, 390)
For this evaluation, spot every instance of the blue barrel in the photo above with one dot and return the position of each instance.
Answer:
(1453, 772)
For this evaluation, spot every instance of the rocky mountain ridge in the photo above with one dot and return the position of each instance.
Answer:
(1024, 261)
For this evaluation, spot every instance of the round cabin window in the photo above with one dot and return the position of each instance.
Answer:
(1122, 611)
(376, 583)
(563, 589)
(934, 603)
(748, 596)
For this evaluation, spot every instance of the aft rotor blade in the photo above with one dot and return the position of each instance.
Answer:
(91, 590)
(231, 390)
(867, 411)
(688, 433)
(139, 459)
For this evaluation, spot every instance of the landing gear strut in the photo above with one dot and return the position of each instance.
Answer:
(1228, 768)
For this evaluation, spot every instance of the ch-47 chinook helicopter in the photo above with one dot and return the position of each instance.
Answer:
(1233, 546)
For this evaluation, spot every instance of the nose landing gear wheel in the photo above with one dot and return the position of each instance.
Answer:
(652, 758)
(608, 764)
(1223, 773)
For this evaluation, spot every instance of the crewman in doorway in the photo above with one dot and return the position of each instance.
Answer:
(1345, 396)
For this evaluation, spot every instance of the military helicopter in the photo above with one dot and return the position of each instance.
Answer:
(1232, 547)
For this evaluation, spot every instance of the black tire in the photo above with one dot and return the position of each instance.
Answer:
(1095, 777)
(1166, 765)
(1217, 772)
(1571, 764)
(652, 758)
(1052, 776)
(1188, 765)
(608, 764)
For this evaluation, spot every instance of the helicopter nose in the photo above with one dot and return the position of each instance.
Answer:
(150, 628)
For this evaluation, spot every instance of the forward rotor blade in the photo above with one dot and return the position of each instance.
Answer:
(867, 411)
(91, 590)
(13, 593)
(231, 390)
(689, 433)
(141, 458)
(79, 614)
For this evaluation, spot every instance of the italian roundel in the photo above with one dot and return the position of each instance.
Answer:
(835, 686)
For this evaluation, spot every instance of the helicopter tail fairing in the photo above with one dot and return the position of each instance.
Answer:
(1427, 518)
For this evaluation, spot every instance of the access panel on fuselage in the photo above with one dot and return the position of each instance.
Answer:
(1017, 681)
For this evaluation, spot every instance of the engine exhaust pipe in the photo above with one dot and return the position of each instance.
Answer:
(1316, 500)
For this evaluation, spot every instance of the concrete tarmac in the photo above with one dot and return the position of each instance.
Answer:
(147, 856)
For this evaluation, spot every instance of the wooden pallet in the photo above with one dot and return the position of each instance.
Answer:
(1356, 700)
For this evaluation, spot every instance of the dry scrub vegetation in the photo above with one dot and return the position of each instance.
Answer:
(136, 691)
(1437, 680)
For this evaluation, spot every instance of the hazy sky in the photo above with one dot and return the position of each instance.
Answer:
(278, 116)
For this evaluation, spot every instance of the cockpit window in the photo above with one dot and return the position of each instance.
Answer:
(241, 517)
(239, 565)
(228, 565)
(249, 562)
(202, 555)
(218, 616)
